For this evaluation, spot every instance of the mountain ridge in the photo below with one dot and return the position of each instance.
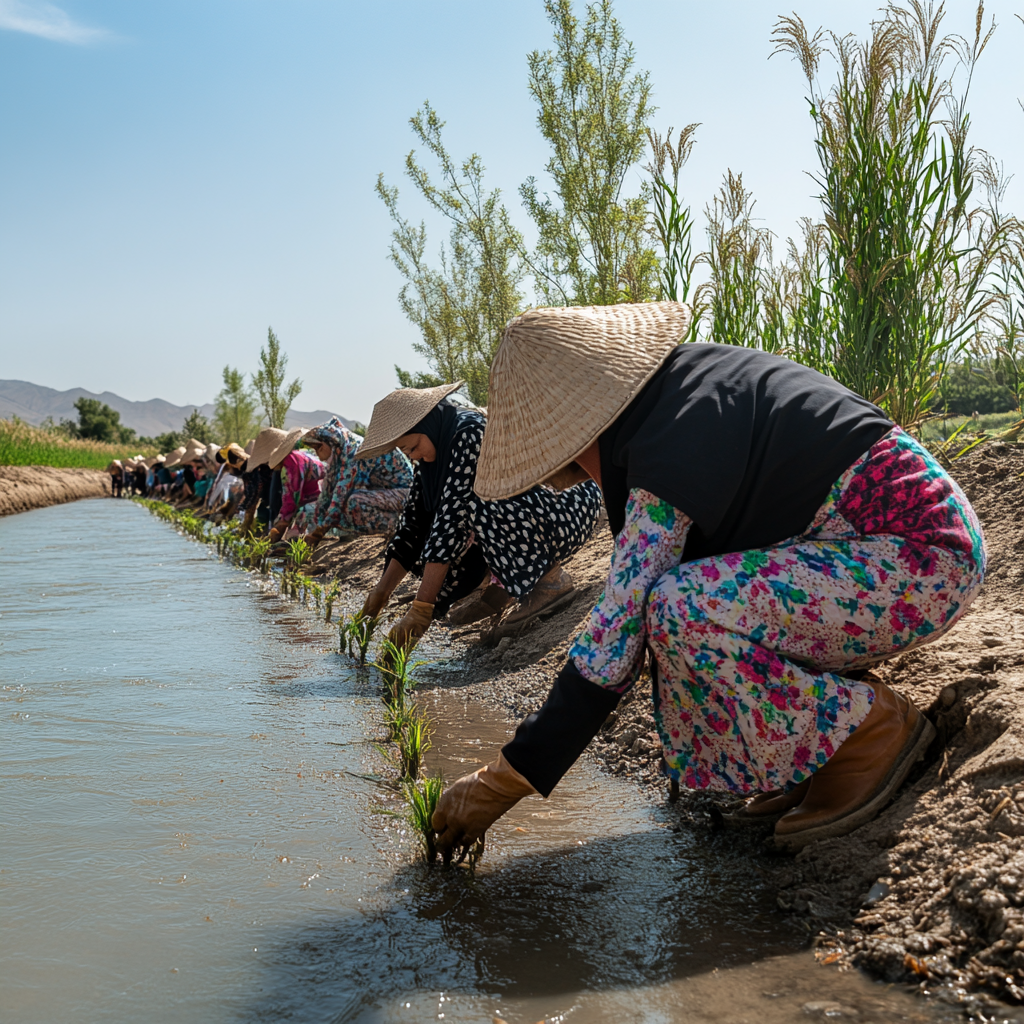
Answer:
(33, 403)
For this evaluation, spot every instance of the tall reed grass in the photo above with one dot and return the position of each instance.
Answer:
(24, 445)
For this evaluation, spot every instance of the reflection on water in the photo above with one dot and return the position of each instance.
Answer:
(188, 830)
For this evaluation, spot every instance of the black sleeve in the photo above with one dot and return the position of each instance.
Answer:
(549, 741)
(406, 546)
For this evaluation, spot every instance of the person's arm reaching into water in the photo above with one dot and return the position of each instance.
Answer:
(604, 662)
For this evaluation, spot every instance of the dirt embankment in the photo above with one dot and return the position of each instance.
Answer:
(26, 487)
(932, 890)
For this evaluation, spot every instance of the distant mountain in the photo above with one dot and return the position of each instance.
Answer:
(34, 403)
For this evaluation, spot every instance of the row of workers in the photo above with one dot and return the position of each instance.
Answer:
(775, 536)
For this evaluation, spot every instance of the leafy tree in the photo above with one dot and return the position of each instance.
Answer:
(235, 415)
(461, 308)
(168, 442)
(98, 422)
(971, 387)
(593, 247)
(196, 426)
(275, 395)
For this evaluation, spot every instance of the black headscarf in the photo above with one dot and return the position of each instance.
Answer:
(747, 444)
(442, 424)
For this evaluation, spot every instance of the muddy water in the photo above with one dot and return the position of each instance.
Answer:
(191, 831)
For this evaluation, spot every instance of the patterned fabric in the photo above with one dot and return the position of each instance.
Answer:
(370, 512)
(750, 647)
(519, 538)
(337, 507)
(301, 474)
(253, 483)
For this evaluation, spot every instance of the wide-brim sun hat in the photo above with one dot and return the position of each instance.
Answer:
(393, 417)
(173, 458)
(233, 452)
(560, 378)
(248, 448)
(272, 445)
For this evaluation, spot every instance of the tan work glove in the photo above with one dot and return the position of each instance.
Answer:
(407, 631)
(470, 806)
(374, 603)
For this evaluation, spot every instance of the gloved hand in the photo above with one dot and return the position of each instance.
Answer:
(412, 625)
(469, 807)
(374, 603)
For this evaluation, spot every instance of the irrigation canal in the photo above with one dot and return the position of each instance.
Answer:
(187, 830)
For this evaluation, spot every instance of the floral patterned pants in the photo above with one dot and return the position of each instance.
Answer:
(751, 648)
(371, 511)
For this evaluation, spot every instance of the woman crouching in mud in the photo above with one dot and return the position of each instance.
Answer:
(774, 534)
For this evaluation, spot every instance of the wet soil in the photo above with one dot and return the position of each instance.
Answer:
(27, 487)
(932, 892)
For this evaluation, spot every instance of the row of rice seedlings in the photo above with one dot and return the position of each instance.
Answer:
(409, 729)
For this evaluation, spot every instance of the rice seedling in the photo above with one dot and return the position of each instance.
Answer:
(396, 670)
(409, 729)
(422, 797)
(329, 599)
(298, 553)
(356, 634)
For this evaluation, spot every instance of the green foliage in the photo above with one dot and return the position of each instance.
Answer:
(355, 635)
(98, 422)
(197, 427)
(462, 306)
(235, 415)
(422, 797)
(269, 381)
(169, 441)
(673, 223)
(906, 257)
(25, 445)
(299, 552)
(977, 387)
(593, 246)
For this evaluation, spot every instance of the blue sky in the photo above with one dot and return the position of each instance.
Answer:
(176, 175)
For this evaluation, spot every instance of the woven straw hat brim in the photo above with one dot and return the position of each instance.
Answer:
(249, 447)
(393, 417)
(175, 457)
(560, 377)
(266, 441)
(273, 445)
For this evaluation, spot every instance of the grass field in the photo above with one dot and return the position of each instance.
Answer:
(25, 445)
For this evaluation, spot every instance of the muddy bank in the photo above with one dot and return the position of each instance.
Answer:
(27, 487)
(933, 890)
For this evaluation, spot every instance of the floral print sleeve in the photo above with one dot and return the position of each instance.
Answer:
(609, 651)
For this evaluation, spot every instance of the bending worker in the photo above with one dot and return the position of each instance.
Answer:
(774, 534)
(454, 541)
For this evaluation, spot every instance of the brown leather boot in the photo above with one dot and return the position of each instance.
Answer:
(553, 591)
(483, 603)
(862, 776)
(765, 808)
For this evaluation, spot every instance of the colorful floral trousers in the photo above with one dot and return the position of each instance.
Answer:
(752, 648)
(374, 511)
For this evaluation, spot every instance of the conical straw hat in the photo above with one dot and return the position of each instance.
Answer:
(272, 445)
(560, 377)
(393, 417)
(173, 458)
(249, 446)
